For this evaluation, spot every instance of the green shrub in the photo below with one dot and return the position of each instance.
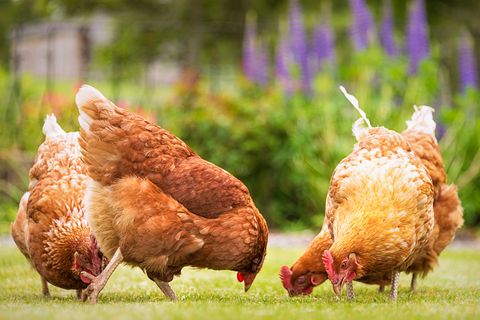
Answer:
(284, 148)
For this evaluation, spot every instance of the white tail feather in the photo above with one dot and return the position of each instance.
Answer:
(51, 127)
(355, 103)
(422, 120)
(85, 95)
(358, 127)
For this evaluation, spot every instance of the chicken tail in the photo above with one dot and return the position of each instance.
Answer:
(422, 120)
(51, 127)
(104, 142)
(86, 99)
(358, 127)
(117, 143)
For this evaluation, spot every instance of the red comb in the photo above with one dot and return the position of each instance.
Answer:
(286, 277)
(239, 277)
(328, 264)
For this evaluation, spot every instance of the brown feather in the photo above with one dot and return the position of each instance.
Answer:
(379, 205)
(447, 207)
(51, 225)
(163, 205)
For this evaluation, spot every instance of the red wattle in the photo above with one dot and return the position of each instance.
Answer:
(239, 277)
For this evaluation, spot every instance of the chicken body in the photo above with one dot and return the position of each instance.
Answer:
(50, 228)
(160, 206)
(447, 216)
(379, 210)
(447, 206)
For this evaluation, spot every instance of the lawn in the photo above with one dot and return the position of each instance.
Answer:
(452, 291)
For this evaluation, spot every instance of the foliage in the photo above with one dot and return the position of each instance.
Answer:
(451, 291)
(283, 147)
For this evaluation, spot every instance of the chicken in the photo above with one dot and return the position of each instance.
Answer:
(154, 203)
(308, 271)
(446, 205)
(447, 211)
(50, 229)
(379, 209)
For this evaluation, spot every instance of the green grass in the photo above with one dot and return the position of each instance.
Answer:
(451, 292)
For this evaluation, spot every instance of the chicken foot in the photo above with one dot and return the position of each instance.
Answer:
(413, 284)
(99, 282)
(350, 292)
(394, 288)
(166, 289)
(45, 291)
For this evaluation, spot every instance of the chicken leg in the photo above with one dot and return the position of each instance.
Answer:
(394, 288)
(413, 284)
(99, 282)
(350, 292)
(166, 289)
(381, 288)
(45, 291)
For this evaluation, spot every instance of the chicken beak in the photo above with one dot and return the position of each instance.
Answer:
(337, 288)
(248, 280)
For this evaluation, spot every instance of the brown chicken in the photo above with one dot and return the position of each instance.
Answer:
(308, 271)
(446, 205)
(51, 229)
(379, 209)
(154, 203)
(447, 210)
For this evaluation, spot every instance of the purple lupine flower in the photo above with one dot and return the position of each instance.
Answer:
(362, 26)
(261, 65)
(440, 130)
(281, 66)
(323, 45)
(249, 49)
(299, 45)
(386, 33)
(467, 64)
(417, 35)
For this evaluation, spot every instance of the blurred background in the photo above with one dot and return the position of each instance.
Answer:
(251, 86)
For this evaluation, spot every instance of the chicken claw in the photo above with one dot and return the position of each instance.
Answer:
(91, 292)
(166, 289)
(99, 282)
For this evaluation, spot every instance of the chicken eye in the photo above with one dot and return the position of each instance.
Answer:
(344, 265)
